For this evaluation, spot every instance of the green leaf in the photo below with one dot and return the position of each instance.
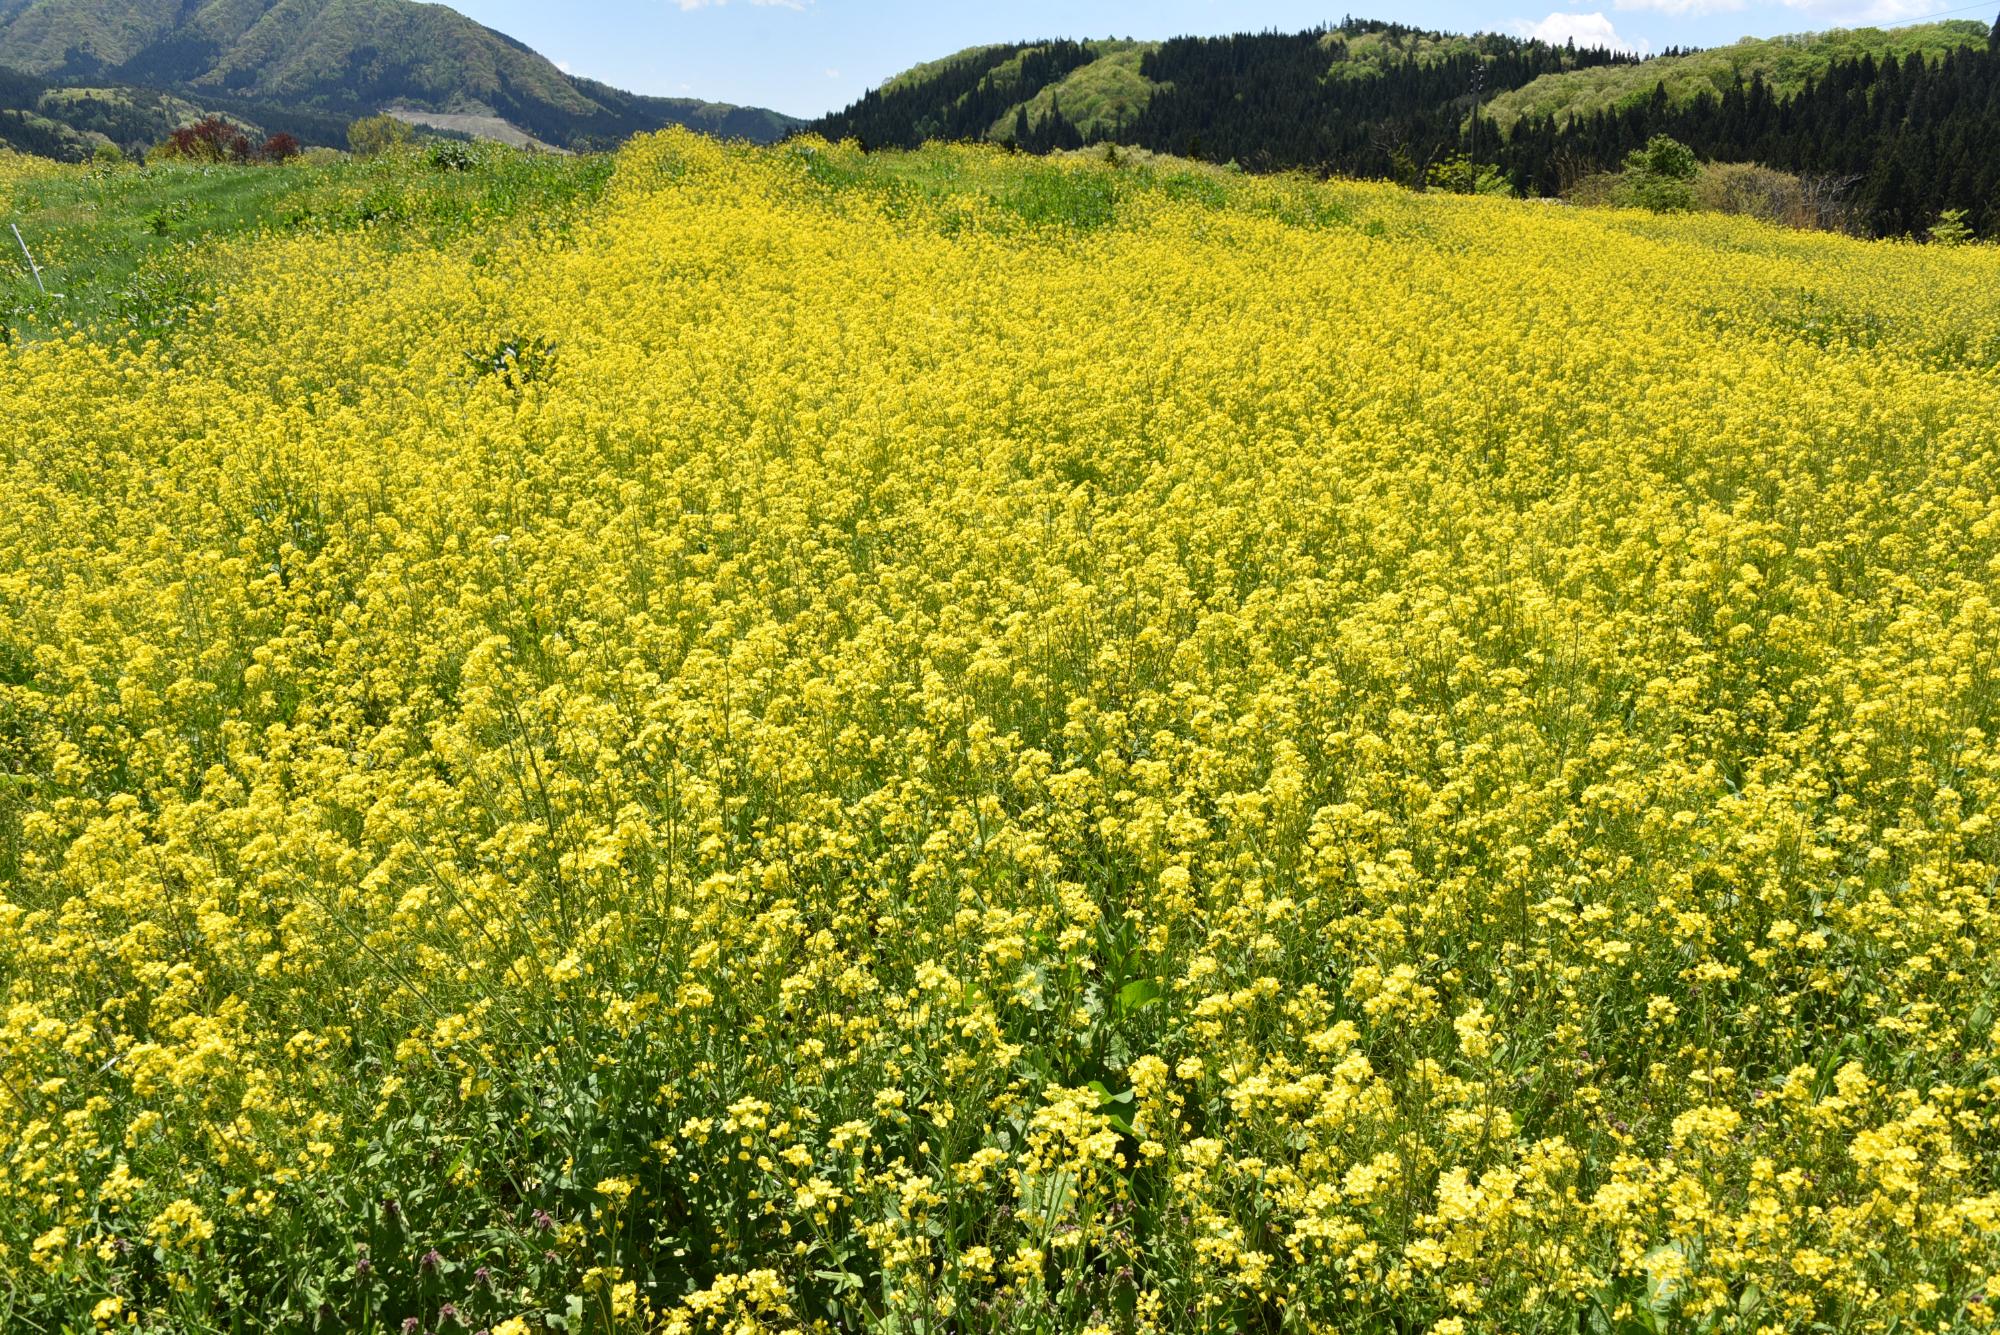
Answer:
(1137, 994)
(1105, 1096)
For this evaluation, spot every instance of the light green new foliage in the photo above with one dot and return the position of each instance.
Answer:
(39, 36)
(1951, 229)
(1369, 55)
(930, 69)
(1094, 97)
(1786, 63)
(1659, 177)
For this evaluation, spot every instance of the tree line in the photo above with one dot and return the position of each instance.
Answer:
(1264, 100)
(1900, 141)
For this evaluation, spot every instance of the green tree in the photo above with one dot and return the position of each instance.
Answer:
(1660, 176)
(1951, 229)
(1403, 169)
(1664, 156)
(1458, 174)
(376, 134)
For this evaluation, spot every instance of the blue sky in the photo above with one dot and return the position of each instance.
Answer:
(810, 56)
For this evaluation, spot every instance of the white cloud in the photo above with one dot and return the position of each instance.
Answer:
(833, 74)
(1682, 9)
(1583, 29)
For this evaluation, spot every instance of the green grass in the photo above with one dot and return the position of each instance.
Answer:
(984, 186)
(132, 253)
(1010, 189)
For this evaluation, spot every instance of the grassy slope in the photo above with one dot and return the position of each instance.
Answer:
(131, 253)
(930, 69)
(1092, 96)
(1785, 62)
(67, 95)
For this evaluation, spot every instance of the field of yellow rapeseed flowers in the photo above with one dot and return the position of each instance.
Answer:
(947, 743)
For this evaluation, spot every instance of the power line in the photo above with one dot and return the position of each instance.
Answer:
(1938, 14)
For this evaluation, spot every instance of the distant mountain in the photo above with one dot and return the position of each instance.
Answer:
(333, 60)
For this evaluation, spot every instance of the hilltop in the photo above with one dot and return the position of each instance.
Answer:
(1785, 65)
(1093, 90)
(1266, 99)
(310, 65)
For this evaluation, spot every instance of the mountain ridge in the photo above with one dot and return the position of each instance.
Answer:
(341, 58)
(1785, 63)
(1362, 50)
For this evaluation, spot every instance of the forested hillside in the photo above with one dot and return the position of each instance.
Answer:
(1333, 99)
(1903, 123)
(1904, 139)
(1787, 65)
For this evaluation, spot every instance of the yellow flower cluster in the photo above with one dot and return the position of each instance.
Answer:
(18, 167)
(952, 743)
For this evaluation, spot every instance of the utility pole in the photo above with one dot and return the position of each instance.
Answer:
(1478, 95)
